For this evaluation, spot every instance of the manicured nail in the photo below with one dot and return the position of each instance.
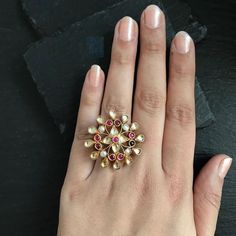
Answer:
(126, 29)
(152, 16)
(182, 42)
(94, 75)
(224, 167)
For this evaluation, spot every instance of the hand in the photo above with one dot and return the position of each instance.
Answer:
(155, 195)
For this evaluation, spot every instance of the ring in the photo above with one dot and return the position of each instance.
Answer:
(114, 141)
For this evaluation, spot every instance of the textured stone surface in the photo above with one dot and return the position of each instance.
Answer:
(65, 58)
(48, 16)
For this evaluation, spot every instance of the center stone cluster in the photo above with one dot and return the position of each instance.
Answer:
(114, 140)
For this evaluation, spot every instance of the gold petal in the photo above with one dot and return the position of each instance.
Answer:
(104, 162)
(124, 118)
(137, 151)
(116, 165)
(100, 120)
(140, 138)
(128, 151)
(114, 131)
(112, 114)
(128, 160)
(115, 147)
(101, 129)
(125, 127)
(92, 130)
(88, 143)
(106, 140)
(134, 126)
(94, 155)
(122, 139)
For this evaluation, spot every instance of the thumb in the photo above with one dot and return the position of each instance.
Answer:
(207, 194)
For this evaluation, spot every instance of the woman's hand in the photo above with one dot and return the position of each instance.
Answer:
(155, 195)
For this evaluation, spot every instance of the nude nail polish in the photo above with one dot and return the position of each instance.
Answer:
(152, 15)
(94, 75)
(224, 167)
(182, 42)
(126, 29)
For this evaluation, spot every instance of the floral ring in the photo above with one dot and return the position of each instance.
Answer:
(114, 141)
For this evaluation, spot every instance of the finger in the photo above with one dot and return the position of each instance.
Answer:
(150, 94)
(80, 165)
(207, 194)
(179, 132)
(119, 84)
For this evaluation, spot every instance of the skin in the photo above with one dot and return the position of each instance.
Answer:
(156, 194)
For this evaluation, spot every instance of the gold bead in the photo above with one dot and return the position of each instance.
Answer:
(137, 151)
(128, 151)
(88, 143)
(104, 162)
(116, 165)
(100, 120)
(94, 155)
(140, 138)
(124, 118)
(134, 126)
(101, 129)
(128, 160)
(125, 127)
(112, 114)
(92, 129)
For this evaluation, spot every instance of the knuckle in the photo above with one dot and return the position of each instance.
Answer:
(108, 188)
(121, 57)
(182, 71)
(153, 46)
(177, 189)
(150, 100)
(120, 107)
(181, 113)
(70, 193)
(144, 185)
(214, 199)
(89, 100)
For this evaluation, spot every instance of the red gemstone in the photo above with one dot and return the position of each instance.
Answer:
(117, 123)
(112, 157)
(97, 138)
(120, 156)
(98, 146)
(131, 135)
(115, 139)
(109, 122)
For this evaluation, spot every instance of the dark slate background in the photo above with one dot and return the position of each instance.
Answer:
(33, 156)
(65, 57)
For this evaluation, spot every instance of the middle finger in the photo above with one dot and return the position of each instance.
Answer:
(150, 94)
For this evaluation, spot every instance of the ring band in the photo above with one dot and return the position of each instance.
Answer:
(114, 141)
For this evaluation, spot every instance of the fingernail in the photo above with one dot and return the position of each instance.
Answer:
(182, 42)
(126, 29)
(94, 75)
(152, 15)
(224, 167)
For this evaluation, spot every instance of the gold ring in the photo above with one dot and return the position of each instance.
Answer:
(114, 141)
